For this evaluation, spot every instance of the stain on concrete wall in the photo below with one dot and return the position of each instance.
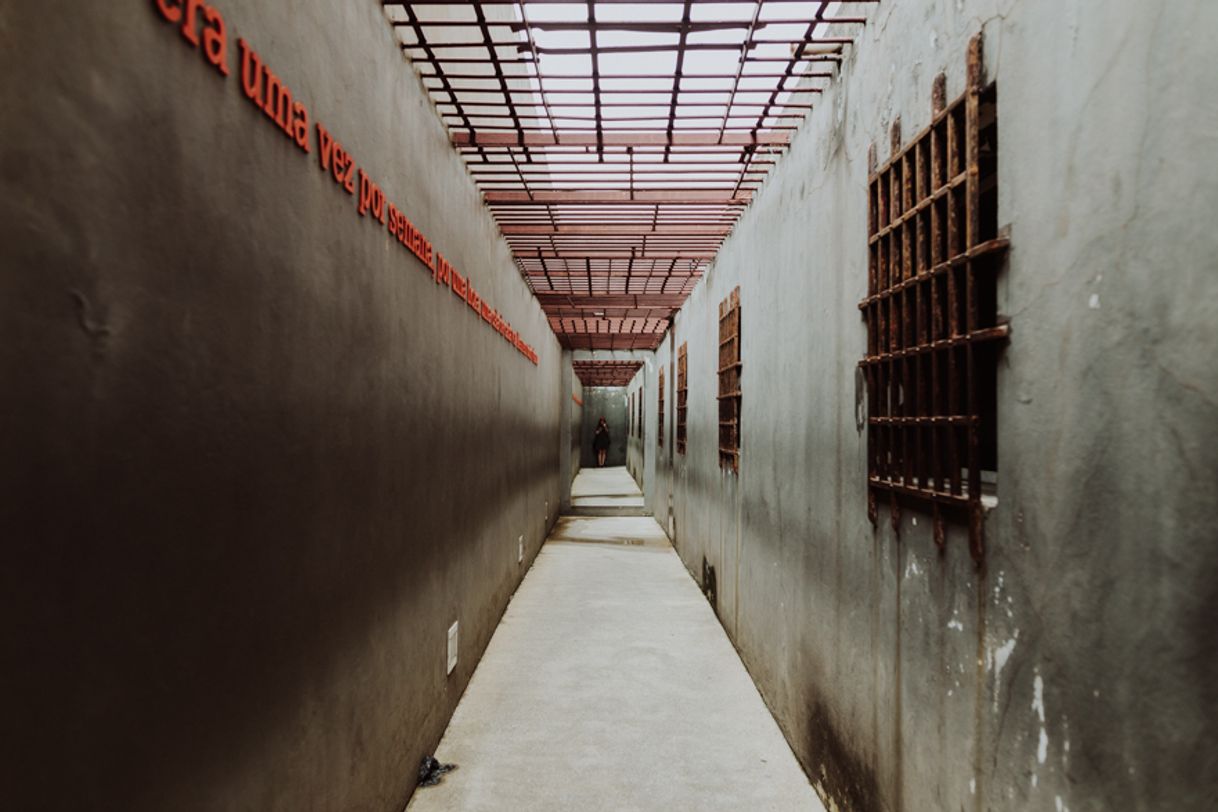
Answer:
(573, 411)
(254, 461)
(1077, 669)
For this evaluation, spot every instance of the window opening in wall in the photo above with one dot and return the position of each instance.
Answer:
(933, 330)
(682, 389)
(729, 382)
(639, 422)
(660, 399)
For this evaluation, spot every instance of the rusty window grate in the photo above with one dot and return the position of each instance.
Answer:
(660, 436)
(932, 320)
(729, 382)
(682, 390)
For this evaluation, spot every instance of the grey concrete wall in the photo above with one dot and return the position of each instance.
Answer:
(254, 461)
(608, 402)
(572, 421)
(640, 456)
(1078, 669)
(636, 443)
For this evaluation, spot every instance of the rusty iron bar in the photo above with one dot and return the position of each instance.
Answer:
(729, 373)
(931, 312)
(682, 409)
(612, 77)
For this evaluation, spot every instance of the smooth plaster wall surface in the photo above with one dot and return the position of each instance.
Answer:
(608, 402)
(636, 441)
(255, 461)
(1079, 669)
(641, 451)
(572, 420)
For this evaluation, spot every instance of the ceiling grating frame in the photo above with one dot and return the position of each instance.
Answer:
(616, 143)
(606, 373)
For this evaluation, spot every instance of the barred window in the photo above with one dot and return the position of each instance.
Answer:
(729, 382)
(932, 320)
(682, 389)
(660, 430)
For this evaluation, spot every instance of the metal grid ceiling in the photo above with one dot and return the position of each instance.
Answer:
(606, 373)
(616, 143)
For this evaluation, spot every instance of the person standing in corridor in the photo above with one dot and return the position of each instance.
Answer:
(600, 442)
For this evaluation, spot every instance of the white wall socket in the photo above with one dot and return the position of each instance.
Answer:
(452, 646)
(520, 550)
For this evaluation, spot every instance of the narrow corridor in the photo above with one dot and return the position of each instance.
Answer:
(596, 489)
(893, 323)
(609, 684)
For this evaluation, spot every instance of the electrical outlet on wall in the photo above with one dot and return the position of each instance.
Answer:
(452, 646)
(547, 510)
(520, 550)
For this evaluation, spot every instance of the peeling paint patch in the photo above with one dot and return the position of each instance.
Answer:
(1038, 707)
(1038, 697)
(1094, 302)
(996, 660)
(999, 656)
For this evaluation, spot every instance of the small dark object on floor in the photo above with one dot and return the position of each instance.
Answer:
(431, 772)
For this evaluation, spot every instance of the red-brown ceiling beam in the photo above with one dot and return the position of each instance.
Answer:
(498, 105)
(694, 26)
(481, 131)
(535, 81)
(615, 253)
(611, 341)
(650, 26)
(665, 47)
(568, 314)
(541, 170)
(620, 139)
(833, 56)
(618, 300)
(535, 93)
(606, 373)
(672, 197)
(609, 261)
(538, 164)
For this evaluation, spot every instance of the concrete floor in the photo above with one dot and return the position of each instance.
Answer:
(605, 487)
(609, 685)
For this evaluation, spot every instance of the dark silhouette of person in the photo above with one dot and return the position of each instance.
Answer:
(600, 442)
